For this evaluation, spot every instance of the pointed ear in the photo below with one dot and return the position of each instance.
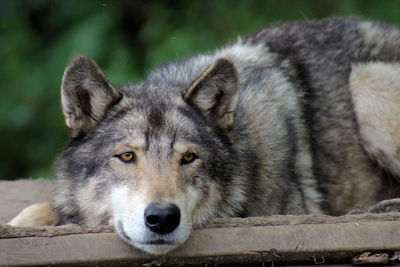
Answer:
(86, 95)
(215, 93)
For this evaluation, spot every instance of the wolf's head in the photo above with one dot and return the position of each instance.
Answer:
(152, 158)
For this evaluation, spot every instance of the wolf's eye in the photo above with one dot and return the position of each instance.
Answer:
(127, 157)
(188, 158)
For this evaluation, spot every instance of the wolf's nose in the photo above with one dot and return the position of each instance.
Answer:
(162, 218)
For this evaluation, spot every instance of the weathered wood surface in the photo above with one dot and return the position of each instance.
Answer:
(327, 242)
(279, 239)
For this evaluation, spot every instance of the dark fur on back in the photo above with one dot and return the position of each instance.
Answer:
(321, 54)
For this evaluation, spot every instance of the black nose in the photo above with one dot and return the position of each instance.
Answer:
(162, 218)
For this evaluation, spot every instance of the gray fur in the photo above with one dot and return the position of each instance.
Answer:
(270, 117)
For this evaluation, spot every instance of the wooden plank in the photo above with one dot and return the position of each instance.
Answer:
(274, 220)
(306, 243)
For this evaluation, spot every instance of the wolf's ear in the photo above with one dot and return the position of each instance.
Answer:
(86, 95)
(215, 93)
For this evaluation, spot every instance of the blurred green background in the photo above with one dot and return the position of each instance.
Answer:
(126, 38)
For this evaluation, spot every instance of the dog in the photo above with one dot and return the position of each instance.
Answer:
(297, 118)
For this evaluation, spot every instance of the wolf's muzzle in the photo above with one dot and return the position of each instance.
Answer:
(162, 218)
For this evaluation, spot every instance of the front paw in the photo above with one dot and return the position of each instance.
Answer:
(39, 214)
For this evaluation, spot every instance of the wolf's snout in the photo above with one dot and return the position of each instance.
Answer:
(162, 218)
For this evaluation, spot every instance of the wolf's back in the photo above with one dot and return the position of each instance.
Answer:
(318, 59)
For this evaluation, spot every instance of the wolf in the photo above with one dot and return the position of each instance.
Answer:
(296, 118)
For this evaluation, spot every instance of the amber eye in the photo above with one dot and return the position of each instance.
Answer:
(188, 158)
(127, 157)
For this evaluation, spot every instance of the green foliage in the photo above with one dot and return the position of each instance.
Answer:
(126, 38)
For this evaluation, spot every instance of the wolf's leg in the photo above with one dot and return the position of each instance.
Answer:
(38, 214)
(375, 89)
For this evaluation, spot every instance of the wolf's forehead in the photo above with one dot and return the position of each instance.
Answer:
(166, 122)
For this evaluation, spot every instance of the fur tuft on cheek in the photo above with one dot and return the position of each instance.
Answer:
(96, 208)
(206, 205)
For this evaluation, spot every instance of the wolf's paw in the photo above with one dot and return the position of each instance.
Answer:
(39, 214)
(388, 205)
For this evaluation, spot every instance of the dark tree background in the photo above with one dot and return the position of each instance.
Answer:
(126, 38)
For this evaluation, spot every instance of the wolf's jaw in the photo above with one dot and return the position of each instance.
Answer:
(157, 247)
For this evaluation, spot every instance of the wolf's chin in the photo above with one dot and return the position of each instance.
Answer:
(155, 247)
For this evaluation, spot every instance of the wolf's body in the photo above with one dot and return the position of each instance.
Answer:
(296, 118)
